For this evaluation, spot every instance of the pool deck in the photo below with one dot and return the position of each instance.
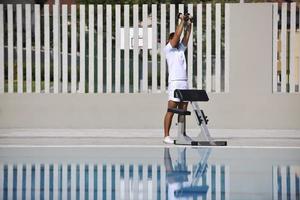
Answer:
(141, 137)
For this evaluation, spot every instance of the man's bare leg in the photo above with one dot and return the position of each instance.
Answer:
(169, 117)
(184, 105)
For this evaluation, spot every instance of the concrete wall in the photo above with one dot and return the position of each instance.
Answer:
(250, 104)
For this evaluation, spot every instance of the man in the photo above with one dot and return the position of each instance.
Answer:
(174, 51)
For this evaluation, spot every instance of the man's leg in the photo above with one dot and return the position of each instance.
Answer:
(184, 105)
(169, 117)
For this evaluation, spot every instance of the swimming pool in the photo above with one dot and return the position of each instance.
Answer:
(149, 173)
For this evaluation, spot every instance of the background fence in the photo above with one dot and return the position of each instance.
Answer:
(286, 47)
(108, 48)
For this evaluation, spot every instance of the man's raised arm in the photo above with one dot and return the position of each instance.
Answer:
(175, 40)
(187, 33)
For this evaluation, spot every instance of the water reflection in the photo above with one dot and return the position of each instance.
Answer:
(286, 182)
(198, 181)
(162, 173)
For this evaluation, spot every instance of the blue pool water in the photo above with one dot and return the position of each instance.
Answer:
(149, 173)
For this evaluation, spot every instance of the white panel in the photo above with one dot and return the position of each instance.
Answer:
(283, 46)
(298, 53)
(275, 183)
(190, 65)
(126, 181)
(91, 182)
(131, 188)
(100, 47)
(47, 48)
(81, 181)
(227, 183)
(181, 10)
(19, 48)
(108, 182)
(199, 46)
(293, 183)
(145, 48)
(100, 177)
(108, 50)
(82, 49)
(163, 43)
(154, 181)
(126, 50)
(55, 181)
(19, 180)
(10, 181)
(28, 49)
(135, 49)
(122, 189)
(117, 49)
(37, 39)
(10, 37)
(73, 181)
(135, 181)
(227, 46)
(46, 181)
(275, 48)
(292, 46)
(208, 48)
(208, 181)
(283, 182)
(1, 166)
(163, 181)
(56, 49)
(28, 181)
(117, 181)
(1, 51)
(73, 49)
(145, 181)
(218, 182)
(65, 48)
(154, 48)
(91, 48)
(37, 181)
(64, 181)
(218, 48)
(172, 18)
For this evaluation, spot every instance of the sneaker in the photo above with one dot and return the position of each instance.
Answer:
(168, 140)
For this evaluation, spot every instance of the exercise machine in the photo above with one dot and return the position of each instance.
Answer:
(204, 138)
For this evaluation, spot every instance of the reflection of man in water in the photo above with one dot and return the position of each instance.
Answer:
(176, 176)
(180, 186)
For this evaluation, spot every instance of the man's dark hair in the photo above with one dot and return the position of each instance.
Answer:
(171, 36)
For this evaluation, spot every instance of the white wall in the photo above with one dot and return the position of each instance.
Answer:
(250, 104)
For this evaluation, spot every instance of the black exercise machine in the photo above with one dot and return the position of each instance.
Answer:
(204, 138)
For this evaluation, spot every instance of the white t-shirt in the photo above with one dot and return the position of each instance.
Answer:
(176, 62)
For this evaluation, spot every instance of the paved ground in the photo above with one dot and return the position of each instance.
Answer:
(86, 137)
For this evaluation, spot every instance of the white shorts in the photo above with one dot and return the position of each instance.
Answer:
(173, 85)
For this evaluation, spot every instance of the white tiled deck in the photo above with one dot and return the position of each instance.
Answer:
(149, 137)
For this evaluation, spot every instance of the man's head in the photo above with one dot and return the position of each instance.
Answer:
(171, 35)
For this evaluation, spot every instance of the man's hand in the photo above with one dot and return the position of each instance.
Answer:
(183, 17)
